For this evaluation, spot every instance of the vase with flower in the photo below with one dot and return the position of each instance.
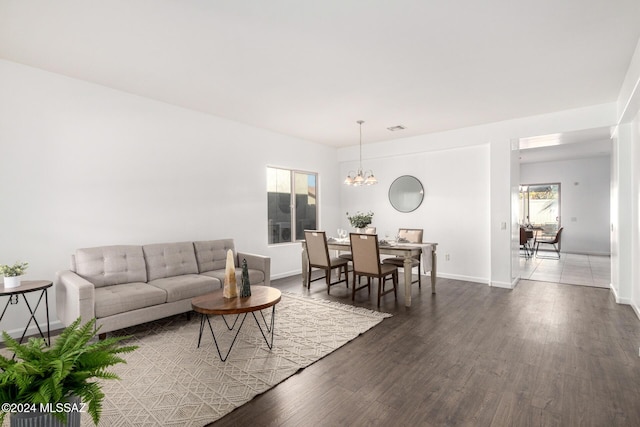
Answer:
(360, 220)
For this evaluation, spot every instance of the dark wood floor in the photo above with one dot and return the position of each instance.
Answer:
(541, 354)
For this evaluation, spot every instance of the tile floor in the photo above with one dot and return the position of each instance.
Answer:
(572, 269)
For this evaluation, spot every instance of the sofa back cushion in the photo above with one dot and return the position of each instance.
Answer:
(111, 265)
(170, 259)
(212, 254)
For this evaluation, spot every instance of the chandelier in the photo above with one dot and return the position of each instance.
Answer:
(360, 178)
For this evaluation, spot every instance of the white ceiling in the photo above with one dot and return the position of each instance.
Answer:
(311, 69)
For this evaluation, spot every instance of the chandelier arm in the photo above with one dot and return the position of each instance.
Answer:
(360, 177)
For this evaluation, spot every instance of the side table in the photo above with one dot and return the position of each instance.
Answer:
(28, 286)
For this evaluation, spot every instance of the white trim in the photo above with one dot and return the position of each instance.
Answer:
(619, 300)
(636, 309)
(504, 285)
(463, 278)
(286, 274)
(33, 330)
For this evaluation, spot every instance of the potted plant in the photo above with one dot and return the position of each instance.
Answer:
(12, 273)
(50, 382)
(360, 220)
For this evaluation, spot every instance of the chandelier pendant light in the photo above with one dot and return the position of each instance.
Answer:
(359, 178)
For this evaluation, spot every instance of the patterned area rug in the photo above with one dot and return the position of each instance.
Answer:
(168, 381)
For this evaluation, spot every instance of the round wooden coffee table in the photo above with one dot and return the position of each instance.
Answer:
(215, 303)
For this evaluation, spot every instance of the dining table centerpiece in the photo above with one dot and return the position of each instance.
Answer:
(360, 220)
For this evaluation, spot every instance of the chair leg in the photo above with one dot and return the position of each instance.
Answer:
(309, 277)
(353, 292)
(555, 248)
(419, 275)
(395, 284)
(346, 275)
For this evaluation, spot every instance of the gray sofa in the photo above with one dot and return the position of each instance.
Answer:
(127, 285)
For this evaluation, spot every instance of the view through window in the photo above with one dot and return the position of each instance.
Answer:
(292, 204)
(540, 206)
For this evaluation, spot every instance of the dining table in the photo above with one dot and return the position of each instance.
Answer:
(406, 250)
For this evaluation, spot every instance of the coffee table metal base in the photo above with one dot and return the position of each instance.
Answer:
(268, 328)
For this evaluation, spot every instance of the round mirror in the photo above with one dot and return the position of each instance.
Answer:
(406, 193)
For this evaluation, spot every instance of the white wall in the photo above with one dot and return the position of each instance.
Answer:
(625, 191)
(83, 165)
(455, 211)
(635, 252)
(501, 163)
(584, 203)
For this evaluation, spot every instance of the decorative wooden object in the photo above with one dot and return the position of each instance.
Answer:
(230, 285)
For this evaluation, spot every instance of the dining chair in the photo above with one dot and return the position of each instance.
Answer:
(366, 262)
(411, 235)
(318, 255)
(553, 241)
(348, 256)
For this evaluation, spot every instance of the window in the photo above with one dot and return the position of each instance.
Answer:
(540, 206)
(292, 204)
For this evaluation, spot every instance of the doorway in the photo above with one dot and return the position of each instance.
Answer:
(565, 182)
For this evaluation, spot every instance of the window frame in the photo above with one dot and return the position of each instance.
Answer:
(524, 217)
(293, 208)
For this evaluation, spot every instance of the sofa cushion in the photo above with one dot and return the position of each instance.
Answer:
(111, 265)
(186, 286)
(169, 260)
(255, 276)
(116, 299)
(212, 254)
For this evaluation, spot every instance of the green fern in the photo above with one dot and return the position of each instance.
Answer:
(40, 374)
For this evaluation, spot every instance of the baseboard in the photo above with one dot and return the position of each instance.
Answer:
(515, 281)
(463, 278)
(636, 309)
(586, 253)
(33, 330)
(505, 285)
(287, 274)
(618, 299)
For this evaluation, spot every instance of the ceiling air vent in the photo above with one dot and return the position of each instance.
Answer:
(395, 128)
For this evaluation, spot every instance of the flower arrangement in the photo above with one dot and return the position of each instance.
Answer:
(14, 270)
(360, 220)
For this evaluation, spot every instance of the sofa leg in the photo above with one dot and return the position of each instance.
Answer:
(102, 336)
(188, 316)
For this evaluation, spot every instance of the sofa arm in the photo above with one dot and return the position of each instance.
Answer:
(75, 297)
(257, 262)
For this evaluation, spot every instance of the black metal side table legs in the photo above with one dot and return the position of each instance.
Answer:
(13, 299)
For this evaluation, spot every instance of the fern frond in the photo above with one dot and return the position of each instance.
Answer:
(41, 374)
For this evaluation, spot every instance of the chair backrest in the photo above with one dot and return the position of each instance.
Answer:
(317, 249)
(523, 236)
(557, 239)
(412, 235)
(365, 253)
